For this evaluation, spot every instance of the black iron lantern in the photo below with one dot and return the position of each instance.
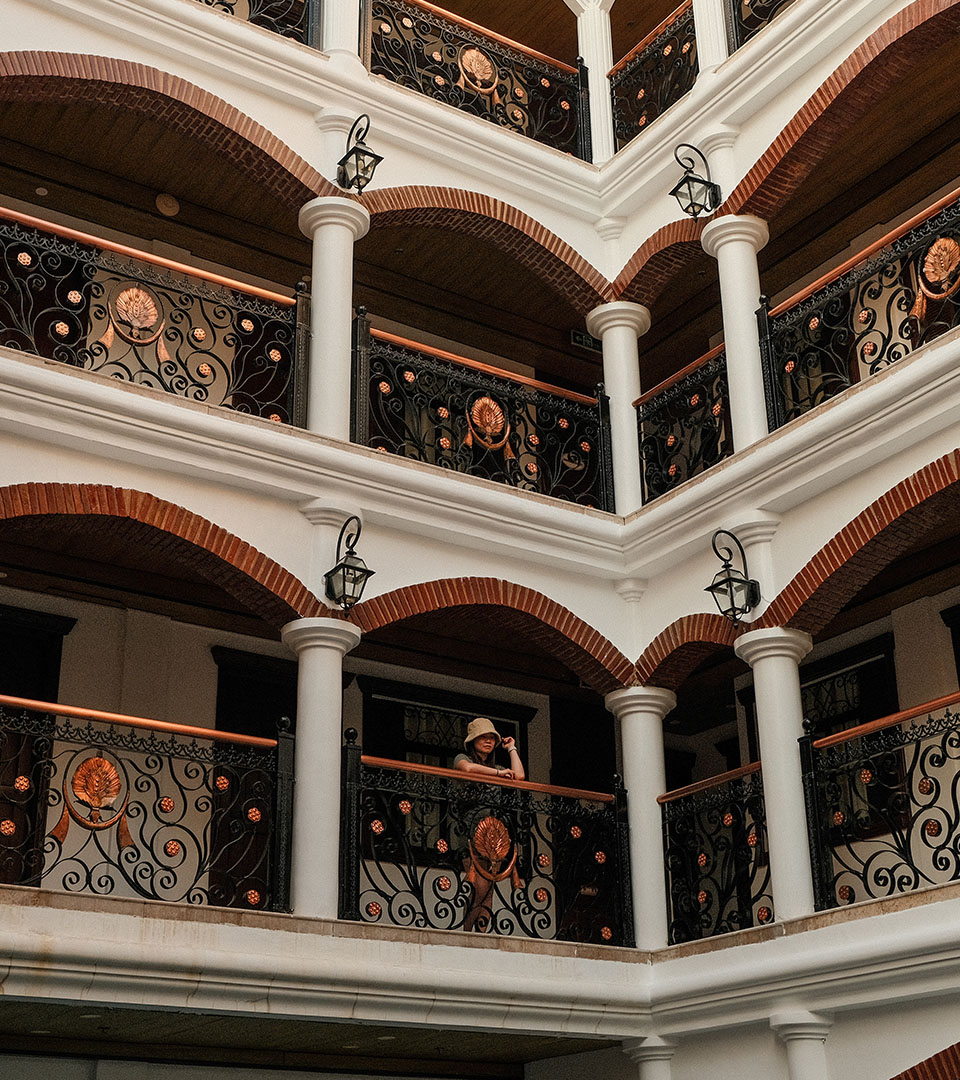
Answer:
(345, 582)
(357, 166)
(734, 591)
(695, 194)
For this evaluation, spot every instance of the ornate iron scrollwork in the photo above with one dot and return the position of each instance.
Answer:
(748, 17)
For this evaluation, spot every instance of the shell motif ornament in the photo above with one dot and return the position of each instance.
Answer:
(485, 422)
(478, 70)
(490, 847)
(96, 784)
(937, 274)
(134, 317)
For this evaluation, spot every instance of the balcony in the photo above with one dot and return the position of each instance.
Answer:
(453, 60)
(428, 405)
(129, 315)
(654, 75)
(104, 804)
(295, 19)
(435, 848)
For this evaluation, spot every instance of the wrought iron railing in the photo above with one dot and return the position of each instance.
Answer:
(883, 804)
(747, 17)
(94, 802)
(433, 848)
(715, 850)
(136, 317)
(684, 425)
(872, 311)
(429, 405)
(654, 75)
(425, 48)
(297, 19)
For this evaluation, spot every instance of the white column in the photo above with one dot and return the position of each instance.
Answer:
(340, 29)
(774, 655)
(595, 41)
(640, 711)
(709, 19)
(320, 645)
(334, 224)
(618, 325)
(653, 1056)
(734, 242)
(805, 1035)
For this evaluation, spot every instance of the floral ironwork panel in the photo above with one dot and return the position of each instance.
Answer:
(655, 78)
(865, 320)
(113, 811)
(684, 429)
(883, 810)
(434, 410)
(747, 17)
(718, 871)
(295, 19)
(136, 322)
(434, 851)
(420, 49)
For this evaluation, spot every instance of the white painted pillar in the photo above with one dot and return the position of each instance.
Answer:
(618, 325)
(595, 42)
(640, 711)
(805, 1035)
(653, 1056)
(340, 29)
(320, 645)
(709, 19)
(334, 224)
(734, 242)
(774, 654)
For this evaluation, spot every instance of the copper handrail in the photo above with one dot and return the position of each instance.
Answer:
(144, 256)
(136, 721)
(886, 721)
(477, 365)
(867, 252)
(713, 781)
(652, 36)
(681, 374)
(491, 34)
(456, 774)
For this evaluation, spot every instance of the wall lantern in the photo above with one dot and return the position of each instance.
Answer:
(357, 166)
(695, 194)
(345, 582)
(734, 592)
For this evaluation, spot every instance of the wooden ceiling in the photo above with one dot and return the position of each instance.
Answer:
(550, 27)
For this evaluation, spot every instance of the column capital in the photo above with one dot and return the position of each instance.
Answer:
(334, 210)
(794, 1024)
(579, 7)
(651, 1048)
(734, 227)
(776, 641)
(634, 317)
(335, 634)
(652, 700)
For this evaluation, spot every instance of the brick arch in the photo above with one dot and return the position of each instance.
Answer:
(533, 245)
(874, 68)
(258, 582)
(882, 532)
(676, 651)
(185, 107)
(565, 636)
(658, 260)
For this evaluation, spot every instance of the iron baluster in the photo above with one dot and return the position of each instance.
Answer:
(359, 399)
(314, 24)
(771, 396)
(350, 810)
(300, 380)
(283, 815)
(818, 841)
(585, 135)
(623, 853)
(608, 499)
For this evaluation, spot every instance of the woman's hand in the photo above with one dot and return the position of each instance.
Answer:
(506, 774)
(508, 743)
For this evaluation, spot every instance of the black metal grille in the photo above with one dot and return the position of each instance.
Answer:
(430, 409)
(93, 309)
(748, 17)
(718, 872)
(427, 850)
(684, 429)
(297, 19)
(656, 77)
(445, 60)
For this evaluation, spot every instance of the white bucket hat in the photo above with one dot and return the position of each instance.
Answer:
(480, 726)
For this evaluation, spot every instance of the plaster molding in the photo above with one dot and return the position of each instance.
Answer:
(333, 210)
(773, 642)
(631, 589)
(319, 512)
(734, 229)
(335, 634)
(648, 701)
(616, 314)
